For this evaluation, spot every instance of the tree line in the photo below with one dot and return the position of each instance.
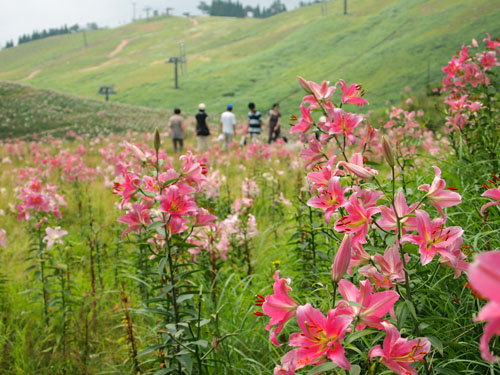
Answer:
(228, 8)
(36, 35)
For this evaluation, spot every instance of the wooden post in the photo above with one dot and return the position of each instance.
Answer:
(345, 6)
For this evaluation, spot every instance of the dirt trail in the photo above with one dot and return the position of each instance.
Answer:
(118, 49)
(33, 74)
(194, 21)
(95, 67)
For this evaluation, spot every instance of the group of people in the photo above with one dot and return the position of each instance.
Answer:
(253, 127)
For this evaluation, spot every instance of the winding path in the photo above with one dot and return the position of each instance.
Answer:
(120, 47)
(33, 74)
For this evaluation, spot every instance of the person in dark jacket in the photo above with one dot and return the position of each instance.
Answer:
(202, 130)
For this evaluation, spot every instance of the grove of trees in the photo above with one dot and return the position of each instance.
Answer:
(36, 35)
(228, 8)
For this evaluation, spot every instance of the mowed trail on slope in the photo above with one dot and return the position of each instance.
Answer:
(119, 48)
(32, 75)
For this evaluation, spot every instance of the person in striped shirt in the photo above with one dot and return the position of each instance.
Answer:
(254, 122)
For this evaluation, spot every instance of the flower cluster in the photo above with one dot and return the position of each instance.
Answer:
(35, 198)
(359, 208)
(168, 199)
(466, 71)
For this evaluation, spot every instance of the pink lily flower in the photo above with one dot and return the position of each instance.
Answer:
(359, 257)
(437, 196)
(492, 44)
(379, 281)
(388, 219)
(352, 94)
(493, 194)
(54, 235)
(204, 218)
(320, 92)
(391, 269)
(484, 276)
(457, 105)
(342, 259)
(398, 354)
(358, 220)
(128, 188)
(319, 340)
(175, 203)
(136, 151)
(391, 264)
(305, 122)
(38, 202)
(330, 199)
(454, 258)
(488, 60)
(310, 102)
(373, 305)
(344, 123)
(136, 218)
(367, 198)
(355, 167)
(313, 153)
(280, 307)
(323, 173)
(432, 237)
(35, 185)
(191, 170)
(288, 368)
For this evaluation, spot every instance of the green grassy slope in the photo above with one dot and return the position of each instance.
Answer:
(28, 112)
(384, 45)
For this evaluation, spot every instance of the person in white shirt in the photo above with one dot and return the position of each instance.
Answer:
(228, 123)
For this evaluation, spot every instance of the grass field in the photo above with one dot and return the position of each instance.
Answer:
(384, 45)
(28, 112)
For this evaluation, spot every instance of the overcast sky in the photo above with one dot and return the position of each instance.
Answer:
(19, 17)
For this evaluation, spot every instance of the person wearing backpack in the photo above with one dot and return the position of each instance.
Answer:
(202, 130)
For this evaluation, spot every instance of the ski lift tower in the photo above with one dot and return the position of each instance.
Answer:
(179, 60)
(107, 90)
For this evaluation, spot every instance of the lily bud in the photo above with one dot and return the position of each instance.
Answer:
(387, 149)
(358, 170)
(157, 140)
(342, 259)
(305, 85)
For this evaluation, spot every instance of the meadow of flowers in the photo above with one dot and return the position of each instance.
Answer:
(367, 246)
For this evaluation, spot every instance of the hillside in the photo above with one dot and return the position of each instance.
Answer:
(384, 45)
(28, 112)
